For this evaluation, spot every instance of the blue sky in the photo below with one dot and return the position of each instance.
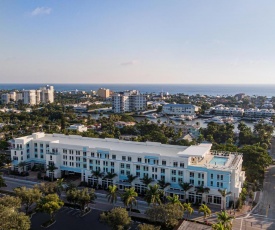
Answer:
(142, 41)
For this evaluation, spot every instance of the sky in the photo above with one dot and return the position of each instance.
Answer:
(141, 41)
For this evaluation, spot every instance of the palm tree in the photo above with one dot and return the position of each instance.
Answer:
(225, 219)
(131, 178)
(112, 194)
(51, 168)
(224, 194)
(109, 176)
(206, 211)
(202, 190)
(129, 197)
(146, 180)
(59, 186)
(153, 195)
(175, 200)
(185, 187)
(97, 174)
(162, 184)
(188, 208)
(22, 165)
(218, 226)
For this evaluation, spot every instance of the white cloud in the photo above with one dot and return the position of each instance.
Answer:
(133, 62)
(41, 11)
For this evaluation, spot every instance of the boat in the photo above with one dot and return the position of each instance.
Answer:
(217, 120)
(152, 116)
(177, 118)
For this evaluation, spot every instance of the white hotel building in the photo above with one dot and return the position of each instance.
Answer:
(196, 165)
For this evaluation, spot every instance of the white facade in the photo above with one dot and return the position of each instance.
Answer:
(180, 109)
(128, 102)
(42, 95)
(78, 127)
(196, 165)
(29, 97)
(228, 111)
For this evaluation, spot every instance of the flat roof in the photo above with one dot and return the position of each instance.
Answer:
(196, 150)
(120, 145)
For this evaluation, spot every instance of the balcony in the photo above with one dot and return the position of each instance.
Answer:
(17, 148)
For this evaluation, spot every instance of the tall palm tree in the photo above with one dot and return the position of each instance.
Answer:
(175, 200)
(185, 187)
(51, 168)
(146, 180)
(202, 190)
(129, 197)
(153, 195)
(97, 174)
(59, 186)
(112, 194)
(205, 210)
(109, 176)
(188, 208)
(224, 194)
(225, 219)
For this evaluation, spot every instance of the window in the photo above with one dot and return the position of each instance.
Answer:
(202, 175)
(209, 199)
(146, 161)
(91, 161)
(221, 184)
(211, 176)
(202, 183)
(163, 162)
(122, 172)
(137, 167)
(122, 165)
(139, 159)
(182, 165)
(51, 157)
(221, 177)
(191, 181)
(162, 170)
(218, 184)
(113, 157)
(218, 177)
(84, 154)
(124, 158)
(138, 174)
(199, 175)
(173, 179)
(180, 180)
(191, 174)
(127, 166)
(175, 164)
(129, 158)
(162, 177)
(92, 154)
(112, 164)
(211, 183)
(41, 145)
(217, 200)
(145, 168)
(174, 172)
(199, 182)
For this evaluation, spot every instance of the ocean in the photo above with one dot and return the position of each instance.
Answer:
(189, 89)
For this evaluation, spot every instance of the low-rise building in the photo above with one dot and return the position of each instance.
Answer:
(196, 165)
(180, 109)
(78, 127)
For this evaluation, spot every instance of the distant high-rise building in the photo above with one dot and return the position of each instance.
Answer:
(103, 93)
(128, 101)
(42, 95)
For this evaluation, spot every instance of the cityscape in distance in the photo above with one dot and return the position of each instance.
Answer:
(144, 115)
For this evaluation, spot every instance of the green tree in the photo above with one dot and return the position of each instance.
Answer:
(167, 214)
(148, 227)
(60, 186)
(50, 204)
(153, 195)
(162, 184)
(225, 219)
(146, 180)
(22, 165)
(28, 196)
(129, 197)
(117, 218)
(188, 208)
(112, 194)
(11, 202)
(12, 219)
(218, 226)
(205, 210)
(175, 200)
(185, 187)
(71, 196)
(97, 174)
(51, 168)
(47, 188)
(84, 197)
(131, 178)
